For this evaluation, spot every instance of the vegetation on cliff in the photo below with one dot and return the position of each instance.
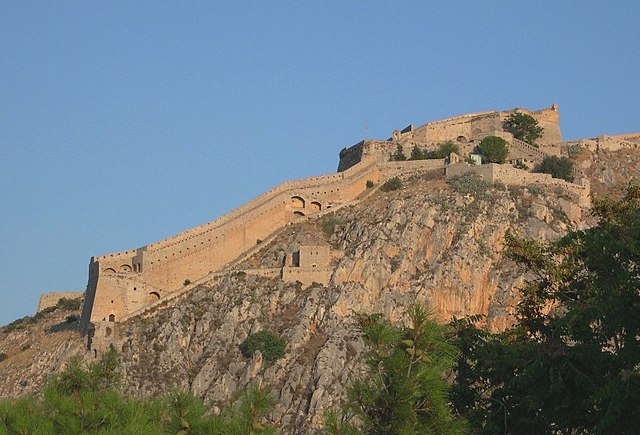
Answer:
(557, 167)
(570, 364)
(404, 389)
(86, 399)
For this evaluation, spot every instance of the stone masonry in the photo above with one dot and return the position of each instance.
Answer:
(124, 283)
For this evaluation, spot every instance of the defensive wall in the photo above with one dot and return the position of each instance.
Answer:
(474, 126)
(123, 282)
(508, 175)
(129, 283)
(51, 299)
(467, 130)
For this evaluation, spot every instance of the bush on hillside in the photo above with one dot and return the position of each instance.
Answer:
(269, 344)
(493, 149)
(557, 167)
(469, 184)
(69, 304)
(398, 156)
(392, 184)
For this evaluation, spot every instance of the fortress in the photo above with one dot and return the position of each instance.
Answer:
(126, 283)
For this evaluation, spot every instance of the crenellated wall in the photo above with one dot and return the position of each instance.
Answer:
(124, 282)
(127, 283)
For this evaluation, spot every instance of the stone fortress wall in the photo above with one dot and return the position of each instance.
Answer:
(123, 282)
(474, 126)
(127, 283)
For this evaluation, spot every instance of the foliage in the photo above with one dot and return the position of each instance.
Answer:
(23, 322)
(329, 224)
(269, 344)
(398, 156)
(570, 364)
(392, 184)
(3, 356)
(417, 153)
(558, 167)
(84, 399)
(370, 184)
(524, 127)
(187, 282)
(404, 390)
(69, 304)
(520, 165)
(493, 149)
(443, 151)
(446, 148)
(469, 184)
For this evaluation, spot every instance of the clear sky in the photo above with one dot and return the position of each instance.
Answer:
(122, 123)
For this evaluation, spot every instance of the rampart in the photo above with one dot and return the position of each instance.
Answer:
(124, 282)
(508, 175)
(129, 283)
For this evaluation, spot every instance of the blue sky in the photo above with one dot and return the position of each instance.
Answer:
(122, 123)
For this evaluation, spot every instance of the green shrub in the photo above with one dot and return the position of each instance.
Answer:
(187, 282)
(469, 184)
(417, 153)
(18, 324)
(3, 356)
(557, 167)
(329, 225)
(369, 184)
(270, 345)
(493, 149)
(392, 184)
(69, 304)
(520, 165)
(523, 127)
(398, 156)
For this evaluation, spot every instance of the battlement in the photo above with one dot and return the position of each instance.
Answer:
(127, 283)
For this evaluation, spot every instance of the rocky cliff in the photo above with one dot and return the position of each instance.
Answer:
(433, 241)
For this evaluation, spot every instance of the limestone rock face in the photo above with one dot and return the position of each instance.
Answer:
(426, 244)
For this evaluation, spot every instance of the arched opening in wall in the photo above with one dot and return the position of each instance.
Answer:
(107, 332)
(154, 296)
(297, 214)
(297, 202)
(461, 139)
(112, 317)
(109, 270)
(315, 205)
(125, 268)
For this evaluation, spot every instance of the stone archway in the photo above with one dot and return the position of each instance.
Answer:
(154, 296)
(125, 268)
(298, 214)
(109, 270)
(315, 206)
(297, 201)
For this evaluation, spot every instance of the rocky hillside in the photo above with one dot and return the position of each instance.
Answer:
(433, 241)
(35, 347)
